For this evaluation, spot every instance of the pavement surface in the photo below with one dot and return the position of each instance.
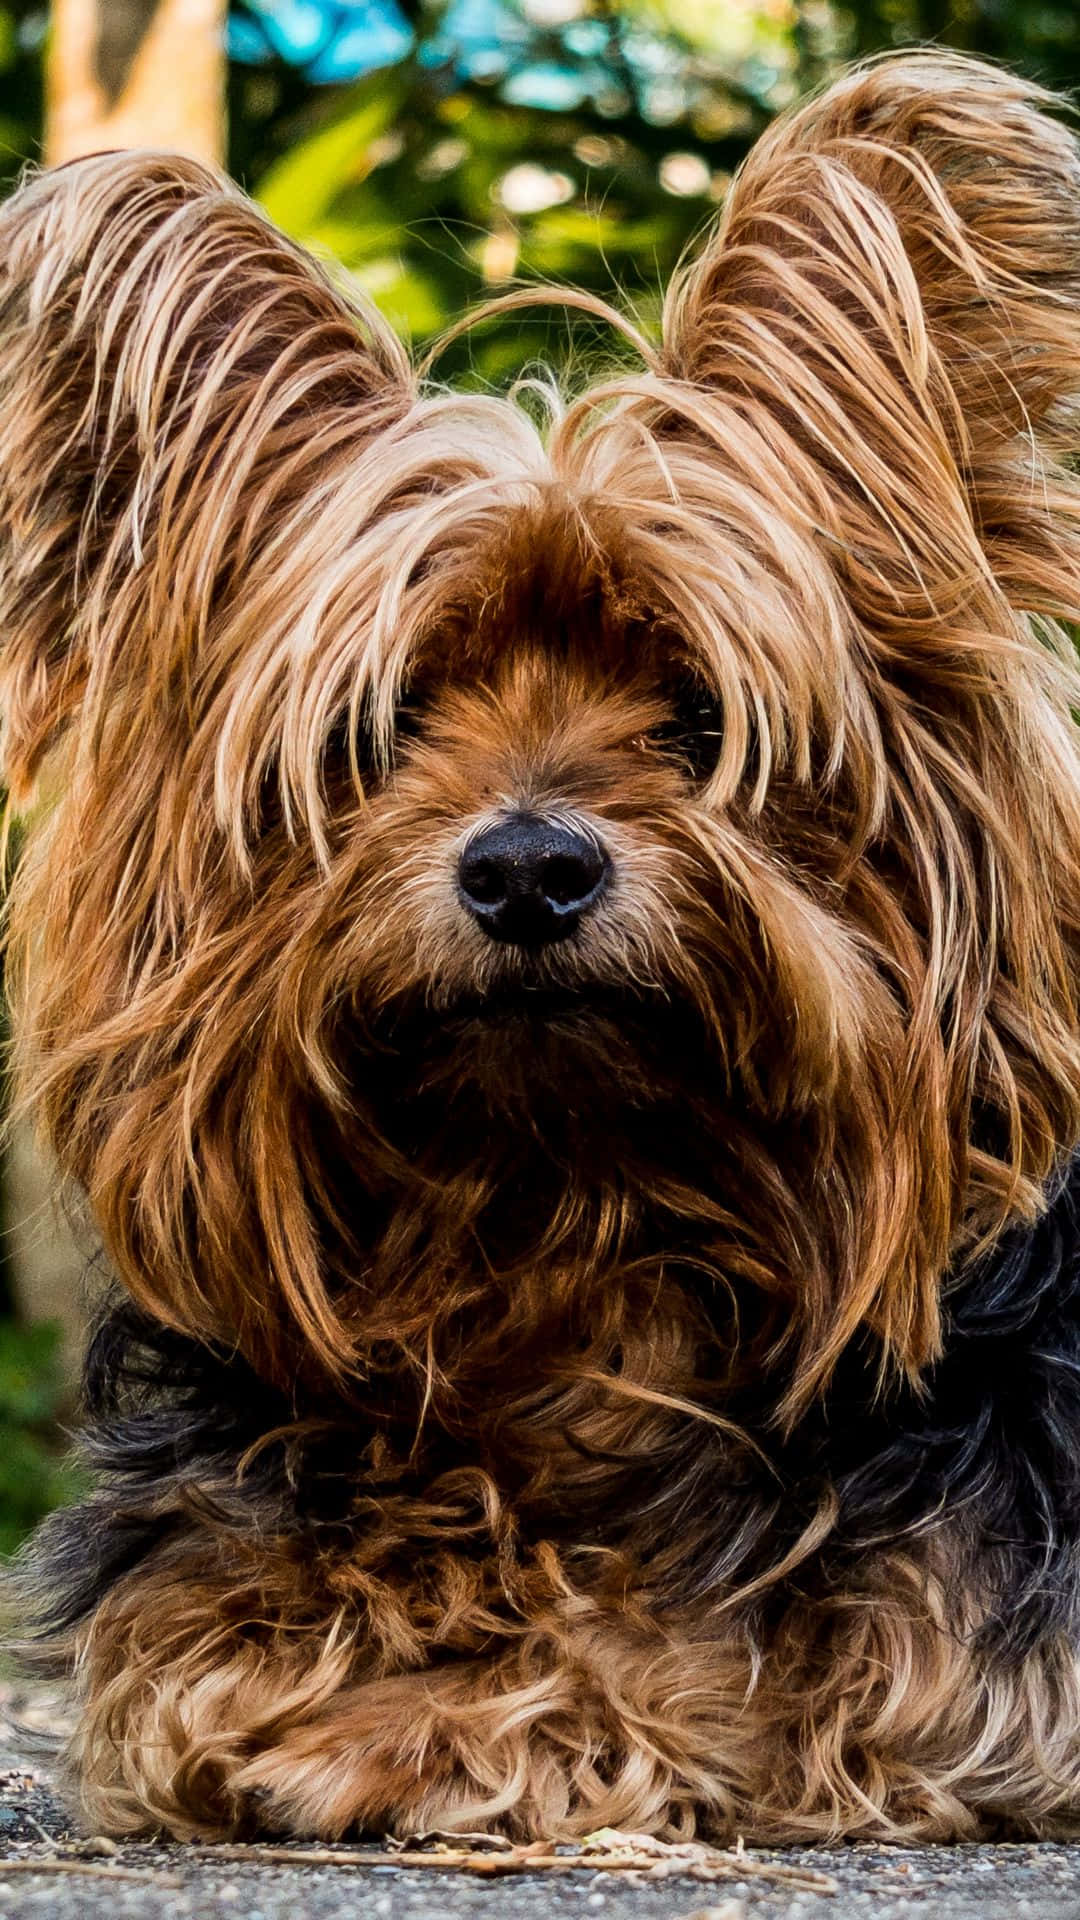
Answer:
(47, 1868)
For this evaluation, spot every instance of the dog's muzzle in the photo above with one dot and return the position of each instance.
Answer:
(527, 881)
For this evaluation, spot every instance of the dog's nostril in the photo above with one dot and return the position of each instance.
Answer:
(483, 881)
(567, 879)
(527, 881)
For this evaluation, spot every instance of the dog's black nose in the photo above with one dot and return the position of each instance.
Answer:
(528, 881)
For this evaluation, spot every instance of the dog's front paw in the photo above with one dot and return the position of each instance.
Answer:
(533, 1755)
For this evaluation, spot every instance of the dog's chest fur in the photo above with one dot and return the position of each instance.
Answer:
(979, 1458)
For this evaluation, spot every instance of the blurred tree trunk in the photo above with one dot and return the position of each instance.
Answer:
(119, 73)
(135, 73)
(46, 1255)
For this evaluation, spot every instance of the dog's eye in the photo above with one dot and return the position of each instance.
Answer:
(408, 716)
(350, 745)
(347, 747)
(695, 730)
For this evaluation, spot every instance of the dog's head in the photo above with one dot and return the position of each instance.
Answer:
(491, 851)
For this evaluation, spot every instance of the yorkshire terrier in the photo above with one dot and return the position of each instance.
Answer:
(553, 953)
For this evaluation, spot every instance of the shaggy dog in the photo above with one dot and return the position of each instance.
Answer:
(553, 957)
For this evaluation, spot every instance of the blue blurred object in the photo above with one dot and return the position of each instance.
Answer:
(491, 41)
(328, 40)
(551, 55)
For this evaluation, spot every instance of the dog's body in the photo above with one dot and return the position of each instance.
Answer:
(555, 962)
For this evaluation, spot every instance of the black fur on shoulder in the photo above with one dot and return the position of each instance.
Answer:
(168, 1425)
(987, 1447)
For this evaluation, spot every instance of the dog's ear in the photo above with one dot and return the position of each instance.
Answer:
(184, 397)
(163, 353)
(899, 261)
(891, 301)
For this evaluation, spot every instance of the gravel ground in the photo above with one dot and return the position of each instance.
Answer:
(163, 1881)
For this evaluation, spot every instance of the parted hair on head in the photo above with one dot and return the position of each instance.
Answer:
(552, 937)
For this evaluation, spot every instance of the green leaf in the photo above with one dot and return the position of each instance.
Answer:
(300, 189)
(29, 1373)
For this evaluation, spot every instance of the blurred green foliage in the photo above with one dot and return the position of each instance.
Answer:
(22, 41)
(544, 140)
(34, 1474)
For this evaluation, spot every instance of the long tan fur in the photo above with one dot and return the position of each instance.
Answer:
(239, 541)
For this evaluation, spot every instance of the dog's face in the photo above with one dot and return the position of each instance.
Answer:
(560, 848)
(494, 852)
(548, 852)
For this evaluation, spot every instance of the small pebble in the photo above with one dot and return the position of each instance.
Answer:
(727, 1910)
